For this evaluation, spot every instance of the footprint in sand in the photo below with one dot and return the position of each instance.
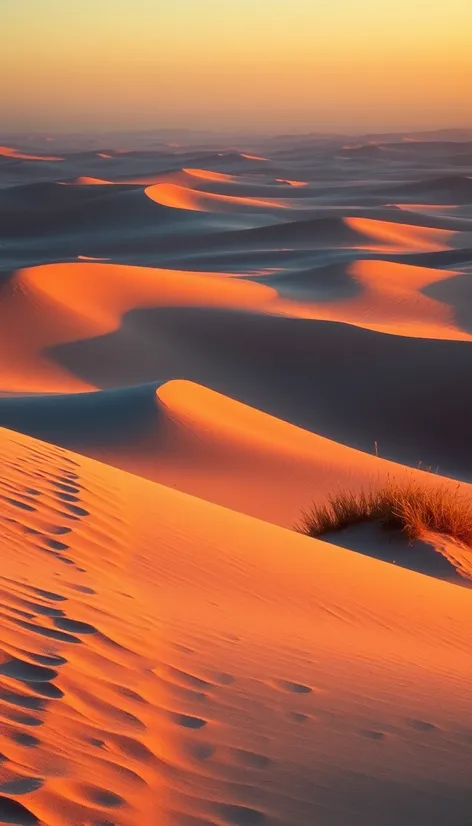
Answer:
(65, 487)
(19, 504)
(74, 626)
(250, 759)
(22, 719)
(48, 659)
(291, 688)
(49, 595)
(52, 633)
(222, 678)
(297, 717)
(184, 679)
(25, 701)
(373, 735)
(101, 797)
(21, 785)
(26, 672)
(421, 725)
(11, 811)
(202, 751)
(82, 589)
(240, 815)
(54, 544)
(187, 721)
(24, 739)
(48, 690)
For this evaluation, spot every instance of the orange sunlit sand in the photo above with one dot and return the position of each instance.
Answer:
(198, 343)
(163, 683)
(16, 154)
(178, 197)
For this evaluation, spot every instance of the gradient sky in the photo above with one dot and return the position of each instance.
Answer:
(276, 65)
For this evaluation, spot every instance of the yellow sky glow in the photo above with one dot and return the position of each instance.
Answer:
(349, 65)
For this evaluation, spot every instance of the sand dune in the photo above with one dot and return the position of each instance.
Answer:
(353, 232)
(70, 302)
(95, 325)
(85, 180)
(401, 235)
(201, 336)
(187, 436)
(119, 705)
(204, 443)
(179, 197)
(207, 175)
(178, 187)
(264, 361)
(453, 189)
(292, 183)
(98, 221)
(253, 157)
(245, 184)
(81, 301)
(393, 301)
(17, 154)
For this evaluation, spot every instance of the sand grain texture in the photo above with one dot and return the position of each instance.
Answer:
(159, 650)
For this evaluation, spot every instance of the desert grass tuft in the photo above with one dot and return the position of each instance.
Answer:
(410, 507)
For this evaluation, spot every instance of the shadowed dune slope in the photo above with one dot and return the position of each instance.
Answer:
(167, 660)
(179, 197)
(17, 154)
(95, 325)
(67, 307)
(68, 302)
(188, 437)
(453, 189)
(304, 371)
(33, 208)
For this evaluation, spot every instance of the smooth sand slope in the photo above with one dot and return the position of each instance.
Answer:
(61, 303)
(261, 341)
(169, 661)
(68, 302)
(179, 197)
(192, 439)
(16, 154)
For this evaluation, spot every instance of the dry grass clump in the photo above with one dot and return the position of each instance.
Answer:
(410, 507)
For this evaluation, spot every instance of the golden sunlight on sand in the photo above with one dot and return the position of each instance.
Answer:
(162, 683)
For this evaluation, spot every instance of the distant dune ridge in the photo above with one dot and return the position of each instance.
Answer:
(201, 338)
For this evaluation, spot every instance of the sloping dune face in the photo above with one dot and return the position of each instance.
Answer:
(199, 341)
(65, 302)
(160, 663)
(17, 154)
(207, 175)
(393, 236)
(392, 299)
(178, 197)
(85, 180)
